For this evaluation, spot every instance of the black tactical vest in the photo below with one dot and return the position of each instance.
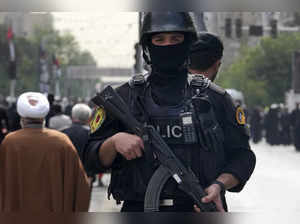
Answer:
(205, 157)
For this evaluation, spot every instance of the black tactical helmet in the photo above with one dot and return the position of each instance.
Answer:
(156, 22)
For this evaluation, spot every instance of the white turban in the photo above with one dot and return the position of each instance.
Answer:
(33, 105)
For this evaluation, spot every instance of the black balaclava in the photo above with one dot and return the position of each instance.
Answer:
(168, 59)
(169, 73)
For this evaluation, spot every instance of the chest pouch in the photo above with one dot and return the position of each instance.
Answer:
(210, 133)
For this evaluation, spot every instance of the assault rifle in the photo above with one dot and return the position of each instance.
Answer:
(170, 165)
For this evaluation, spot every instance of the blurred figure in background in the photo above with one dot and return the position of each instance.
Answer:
(51, 111)
(3, 119)
(79, 131)
(256, 125)
(285, 120)
(59, 121)
(272, 125)
(13, 116)
(69, 106)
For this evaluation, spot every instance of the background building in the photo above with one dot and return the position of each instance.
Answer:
(225, 24)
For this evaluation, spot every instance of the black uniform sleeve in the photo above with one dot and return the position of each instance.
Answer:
(240, 159)
(108, 128)
(92, 162)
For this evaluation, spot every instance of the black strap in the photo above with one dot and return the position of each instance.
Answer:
(222, 186)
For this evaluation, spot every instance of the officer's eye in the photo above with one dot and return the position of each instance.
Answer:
(158, 39)
(167, 39)
(177, 39)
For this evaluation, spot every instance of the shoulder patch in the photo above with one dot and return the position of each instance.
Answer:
(217, 88)
(98, 118)
(240, 116)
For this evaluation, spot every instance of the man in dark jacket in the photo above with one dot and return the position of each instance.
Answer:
(79, 130)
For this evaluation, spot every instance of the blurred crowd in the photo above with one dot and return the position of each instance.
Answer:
(59, 117)
(276, 124)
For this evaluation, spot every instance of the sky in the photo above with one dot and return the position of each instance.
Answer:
(110, 37)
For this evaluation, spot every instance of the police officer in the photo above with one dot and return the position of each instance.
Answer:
(219, 155)
(206, 55)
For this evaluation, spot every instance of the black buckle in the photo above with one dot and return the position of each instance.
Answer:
(138, 79)
(200, 81)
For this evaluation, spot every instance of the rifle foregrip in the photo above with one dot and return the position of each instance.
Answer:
(204, 207)
(207, 207)
(196, 192)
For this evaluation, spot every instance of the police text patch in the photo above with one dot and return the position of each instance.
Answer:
(169, 128)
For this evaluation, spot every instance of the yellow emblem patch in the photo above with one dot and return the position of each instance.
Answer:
(240, 116)
(97, 119)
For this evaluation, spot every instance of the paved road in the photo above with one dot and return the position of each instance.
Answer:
(274, 185)
(100, 203)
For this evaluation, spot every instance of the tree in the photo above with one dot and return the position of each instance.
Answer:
(64, 46)
(24, 56)
(67, 50)
(263, 73)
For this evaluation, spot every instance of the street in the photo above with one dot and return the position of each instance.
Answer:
(273, 186)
